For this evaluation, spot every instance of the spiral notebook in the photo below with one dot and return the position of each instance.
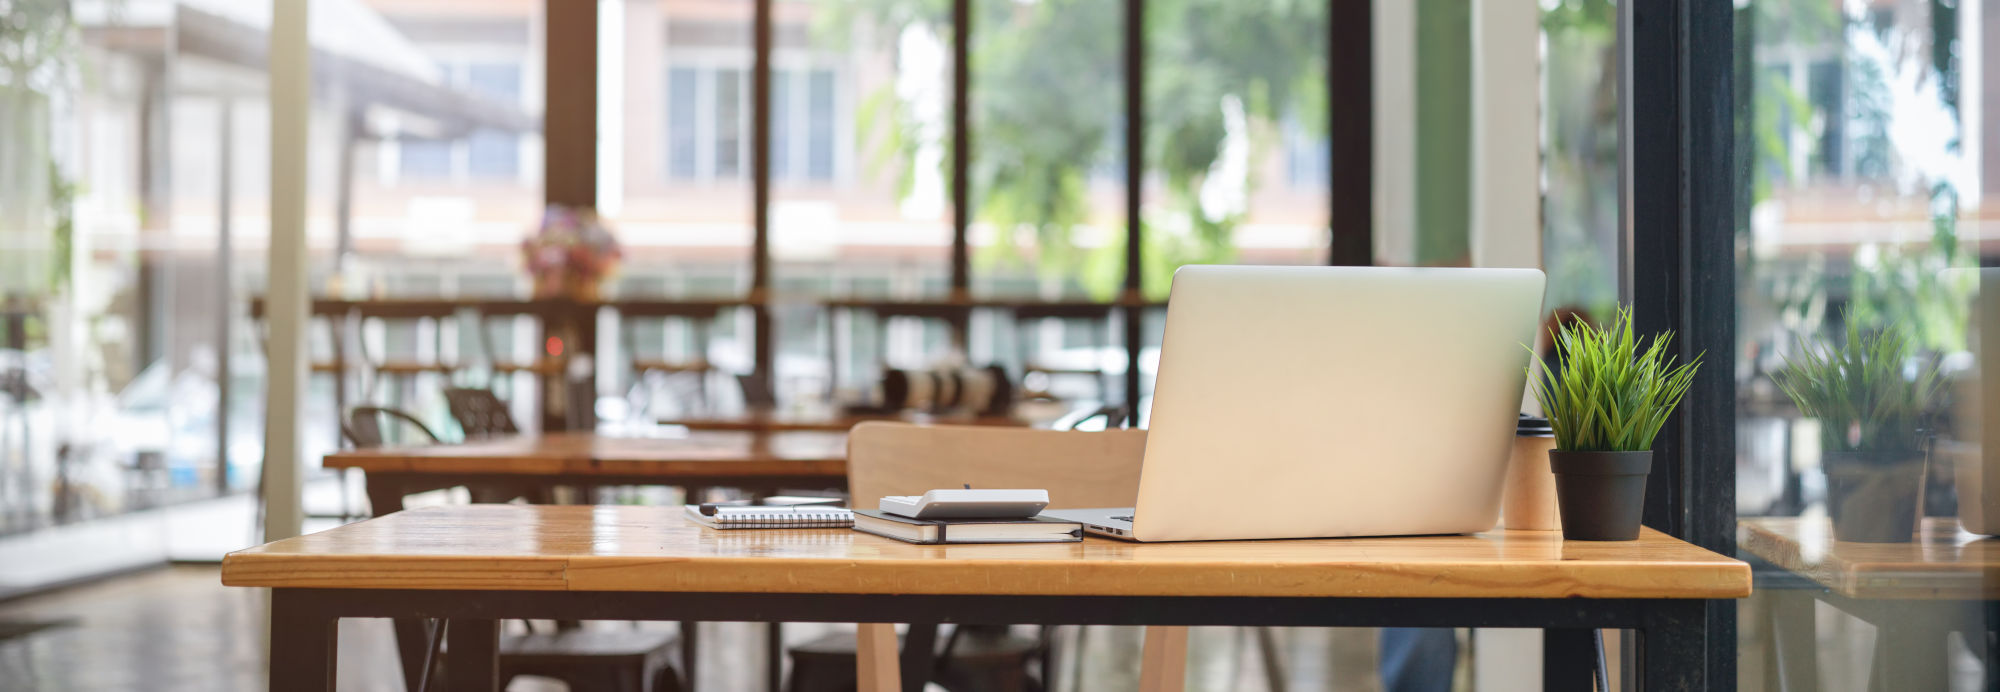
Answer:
(757, 517)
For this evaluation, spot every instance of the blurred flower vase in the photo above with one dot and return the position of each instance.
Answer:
(1870, 404)
(570, 254)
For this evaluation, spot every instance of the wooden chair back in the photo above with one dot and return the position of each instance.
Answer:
(1079, 469)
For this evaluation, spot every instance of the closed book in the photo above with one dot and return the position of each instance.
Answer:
(935, 531)
(753, 517)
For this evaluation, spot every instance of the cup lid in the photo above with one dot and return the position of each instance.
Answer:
(1532, 425)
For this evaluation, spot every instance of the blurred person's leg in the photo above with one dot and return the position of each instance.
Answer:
(1418, 659)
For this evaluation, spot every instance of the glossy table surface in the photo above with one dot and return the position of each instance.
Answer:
(743, 453)
(620, 548)
(833, 422)
(1943, 563)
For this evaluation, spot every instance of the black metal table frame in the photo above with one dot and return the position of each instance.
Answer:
(1672, 632)
(386, 490)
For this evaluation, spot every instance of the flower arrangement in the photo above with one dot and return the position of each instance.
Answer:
(570, 254)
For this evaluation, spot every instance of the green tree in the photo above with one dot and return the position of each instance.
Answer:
(1048, 112)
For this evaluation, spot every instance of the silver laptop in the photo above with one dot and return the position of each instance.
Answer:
(1302, 402)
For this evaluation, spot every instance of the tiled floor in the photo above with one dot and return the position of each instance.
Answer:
(178, 628)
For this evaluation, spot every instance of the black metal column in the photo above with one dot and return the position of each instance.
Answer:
(1681, 177)
(760, 192)
(1350, 90)
(1135, 173)
(961, 149)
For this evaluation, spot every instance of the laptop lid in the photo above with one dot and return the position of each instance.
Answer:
(1297, 402)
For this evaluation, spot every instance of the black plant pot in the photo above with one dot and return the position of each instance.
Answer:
(1601, 495)
(1873, 496)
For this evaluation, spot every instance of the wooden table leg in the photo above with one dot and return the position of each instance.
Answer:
(472, 655)
(1163, 666)
(304, 644)
(1794, 638)
(1569, 660)
(1670, 646)
(876, 668)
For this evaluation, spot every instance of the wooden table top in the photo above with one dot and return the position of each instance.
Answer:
(618, 548)
(745, 454)
(832, 422)
(1943, 563)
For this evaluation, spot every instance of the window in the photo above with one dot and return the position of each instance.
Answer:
(803, 124)
(426, 159)
(682, 86)
(487, 155)
(730, 111)
(493, 154)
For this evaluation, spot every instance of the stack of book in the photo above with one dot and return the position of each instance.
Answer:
(1036, 529)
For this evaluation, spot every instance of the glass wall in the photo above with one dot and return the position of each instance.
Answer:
(1866, 341)
(860, 137)
(133, 208)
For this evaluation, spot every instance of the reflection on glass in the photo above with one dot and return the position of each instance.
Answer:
(860, 104)
(1861, 376)
(1048, 148)
(1237, 151)
(677, 149)
(1580, 155)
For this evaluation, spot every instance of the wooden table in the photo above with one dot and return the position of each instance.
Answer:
(740, 459)
(477, 564)
(761, 459)
(1914, 593)
(832, 422)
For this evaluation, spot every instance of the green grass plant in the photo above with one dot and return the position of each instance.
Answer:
(1861, 391)
(1613, 391)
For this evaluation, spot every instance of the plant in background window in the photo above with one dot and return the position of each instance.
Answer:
(1870, 398)
(38, 55)
(1607, 399)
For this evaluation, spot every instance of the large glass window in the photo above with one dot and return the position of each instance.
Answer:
(674, 156)
(1864, 485)
(1047, 165)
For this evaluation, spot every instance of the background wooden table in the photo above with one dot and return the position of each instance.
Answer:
(1915, 594)
(749, 459)
(479, 563)
(832, 422)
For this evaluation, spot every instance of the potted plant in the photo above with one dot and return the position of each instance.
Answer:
(1606, 400)
(1870, 405)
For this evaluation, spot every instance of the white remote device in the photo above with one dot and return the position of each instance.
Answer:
(968, 504)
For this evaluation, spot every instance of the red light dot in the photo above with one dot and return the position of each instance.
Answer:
(555, 346)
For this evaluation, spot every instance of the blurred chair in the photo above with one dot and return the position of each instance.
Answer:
(479, 413)
(1079, 469)
(498, 322)
(363, 428)
(1027, 317)
(758, 395)
(406, 322)
(328, 320)
(653, 369)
